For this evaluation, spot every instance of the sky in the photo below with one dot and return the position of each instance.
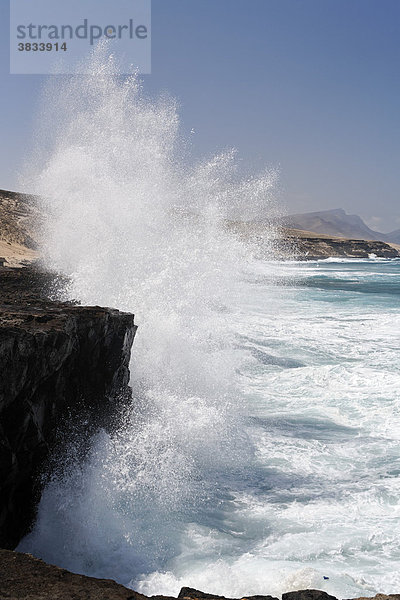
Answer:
(311, 87)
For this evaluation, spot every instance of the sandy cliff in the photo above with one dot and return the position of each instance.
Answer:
(20, 223)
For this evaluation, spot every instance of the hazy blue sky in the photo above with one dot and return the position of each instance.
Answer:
(309, 85)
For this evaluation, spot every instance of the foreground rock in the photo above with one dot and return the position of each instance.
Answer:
(187, 593)
(23, 577)
(307, 595)
(54, 358)
(380, 597)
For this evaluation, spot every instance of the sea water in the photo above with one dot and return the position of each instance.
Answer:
(319, 504)
(260, 453)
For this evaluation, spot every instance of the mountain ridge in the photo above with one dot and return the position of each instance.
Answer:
(337, 223)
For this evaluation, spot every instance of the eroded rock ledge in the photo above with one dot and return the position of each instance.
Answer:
(54, 357)
(23, 577)
(320, 247)
(283, 243)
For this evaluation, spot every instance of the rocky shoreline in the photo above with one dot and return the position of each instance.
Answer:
(21, 221)
(308, 246)
(55, 358)
(280, 243)
(58, 359)
(24, 577)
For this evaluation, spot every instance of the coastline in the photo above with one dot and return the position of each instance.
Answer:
(24, 577)
(296, 244)
(27, 311)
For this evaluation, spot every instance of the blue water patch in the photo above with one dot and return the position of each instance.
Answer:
(361, 286)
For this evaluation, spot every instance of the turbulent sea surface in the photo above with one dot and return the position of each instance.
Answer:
(261, 451)
(317, 492)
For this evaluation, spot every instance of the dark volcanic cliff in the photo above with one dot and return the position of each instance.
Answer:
(54, 357)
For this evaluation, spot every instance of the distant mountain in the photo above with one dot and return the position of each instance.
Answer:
(393, 237)
(338, 223)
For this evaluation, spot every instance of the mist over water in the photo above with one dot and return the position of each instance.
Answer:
(135, 226)
(260, 453)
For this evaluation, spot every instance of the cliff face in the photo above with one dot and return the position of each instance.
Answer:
(284, 243)
(54, 357)
(20, 224)
(316, 247)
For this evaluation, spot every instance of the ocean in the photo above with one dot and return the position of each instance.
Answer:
(316, 494)
(260, 453)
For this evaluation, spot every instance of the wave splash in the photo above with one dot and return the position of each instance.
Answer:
(134, 226)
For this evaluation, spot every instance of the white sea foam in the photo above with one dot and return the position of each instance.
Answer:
(261, 453)
(137, 227)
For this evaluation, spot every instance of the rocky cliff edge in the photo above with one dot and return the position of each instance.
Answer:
(54, 358)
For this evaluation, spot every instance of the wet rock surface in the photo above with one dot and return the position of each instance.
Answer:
(55, 358)
(23, 577)
(187, 593)
(307, 595)
(380, 597)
